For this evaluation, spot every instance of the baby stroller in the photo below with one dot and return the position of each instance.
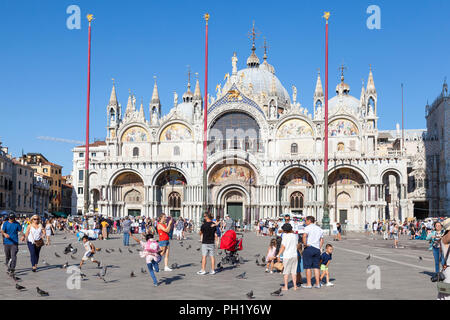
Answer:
(232, 243)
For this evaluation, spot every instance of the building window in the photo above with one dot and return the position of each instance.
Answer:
(81, 154)
(20, 170)
(176, 151)
(294, 148)
(80, 190)
(136, 152)
(174, 200)
(297, 200)
(80, 175)
(93, 154)
(20, 185)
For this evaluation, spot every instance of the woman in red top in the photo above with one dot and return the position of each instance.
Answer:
(163, 232)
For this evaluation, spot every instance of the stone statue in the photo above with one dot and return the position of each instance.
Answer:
(234, 61)
(175, 98)
(155, 117)
(219, 90)
(250, 88)
(273, 111)
(294, 94)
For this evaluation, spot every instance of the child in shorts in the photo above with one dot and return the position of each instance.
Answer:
(90, 251)
(325, 260)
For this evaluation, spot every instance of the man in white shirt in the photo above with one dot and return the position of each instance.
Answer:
(313, 241)
(289, 251)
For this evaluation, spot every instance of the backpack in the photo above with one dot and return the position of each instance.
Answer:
(152, 246)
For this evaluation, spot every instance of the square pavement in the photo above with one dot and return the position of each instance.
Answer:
(403, 274)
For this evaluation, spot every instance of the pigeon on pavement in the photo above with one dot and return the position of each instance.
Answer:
(242, 276)
(132, 275)
(250, 295)
(276, 293)
(57, 255)
(143, 270)
(42, 292)
(19, 287)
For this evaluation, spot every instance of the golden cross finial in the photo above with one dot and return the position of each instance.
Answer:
(154, 77)
(342, 68)
(265, 46)
(326, 15)
(189, 73)
(206, 16)
(196, 75)
(253, 34)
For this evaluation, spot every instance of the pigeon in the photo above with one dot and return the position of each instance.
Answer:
(74, 251)
(257, 262)
(276, 293)
(15, 278)
(82, 275)
(132, 275)
(368, 257)
(68, 249)
(107, 251)
(120, 250)
(188, 247)
(257, 255)
(250, 295)
(112, 250)
(72, 257)
(19, 287)
(57, 255)
(198, 249)
(174, 266)
(143, 270)
(420, 258)
(263, 259)
(42, 292)
(64, 238)
(65, 265)
(241, 276)
(130, 251)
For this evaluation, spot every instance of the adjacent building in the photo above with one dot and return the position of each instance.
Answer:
(53, 173)
(437, 150)
(41, 194)
(6, 179)
(22, 196)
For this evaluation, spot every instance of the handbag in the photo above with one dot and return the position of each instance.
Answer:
(279, 266)
(39, 243)
(443, 287)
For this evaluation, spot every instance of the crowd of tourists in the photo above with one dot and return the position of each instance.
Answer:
(296, 245)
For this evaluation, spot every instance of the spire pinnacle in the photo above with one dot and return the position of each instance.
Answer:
(371, 83)
(319, 89)
(253, 60)
(113, 97)
(197, 92)
(155, 95)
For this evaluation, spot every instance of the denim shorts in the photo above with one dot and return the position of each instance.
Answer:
(311, 258)
(164, 243)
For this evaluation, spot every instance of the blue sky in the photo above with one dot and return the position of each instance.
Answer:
(44, 65)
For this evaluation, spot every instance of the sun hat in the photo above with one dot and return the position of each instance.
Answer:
(446, 224)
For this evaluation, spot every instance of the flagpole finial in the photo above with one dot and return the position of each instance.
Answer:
(90, 17)
(206, 16)
(326, 15)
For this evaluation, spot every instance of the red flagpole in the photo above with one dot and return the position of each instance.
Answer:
(90, 17)
(326, 217)
(205, 124)
(403, 128)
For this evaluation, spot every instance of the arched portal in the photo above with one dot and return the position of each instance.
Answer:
(169, 187)
(346, 192)
(128, 194)
(294, 184)
(392, 195)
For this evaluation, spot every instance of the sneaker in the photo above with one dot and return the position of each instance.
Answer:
(201, 272)
(156, 284)
(329, 284)
(267, 270)
(318, 286)
(271, 272)
(213, 272)
(167, 269)
(306, 287)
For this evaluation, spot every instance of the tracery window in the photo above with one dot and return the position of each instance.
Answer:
(297, 200)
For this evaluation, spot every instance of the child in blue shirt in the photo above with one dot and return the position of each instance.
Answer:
(325, 260)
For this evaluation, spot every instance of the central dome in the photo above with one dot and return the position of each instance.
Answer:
(261, 79)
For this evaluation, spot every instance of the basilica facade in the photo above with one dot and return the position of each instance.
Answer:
(264, 154)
